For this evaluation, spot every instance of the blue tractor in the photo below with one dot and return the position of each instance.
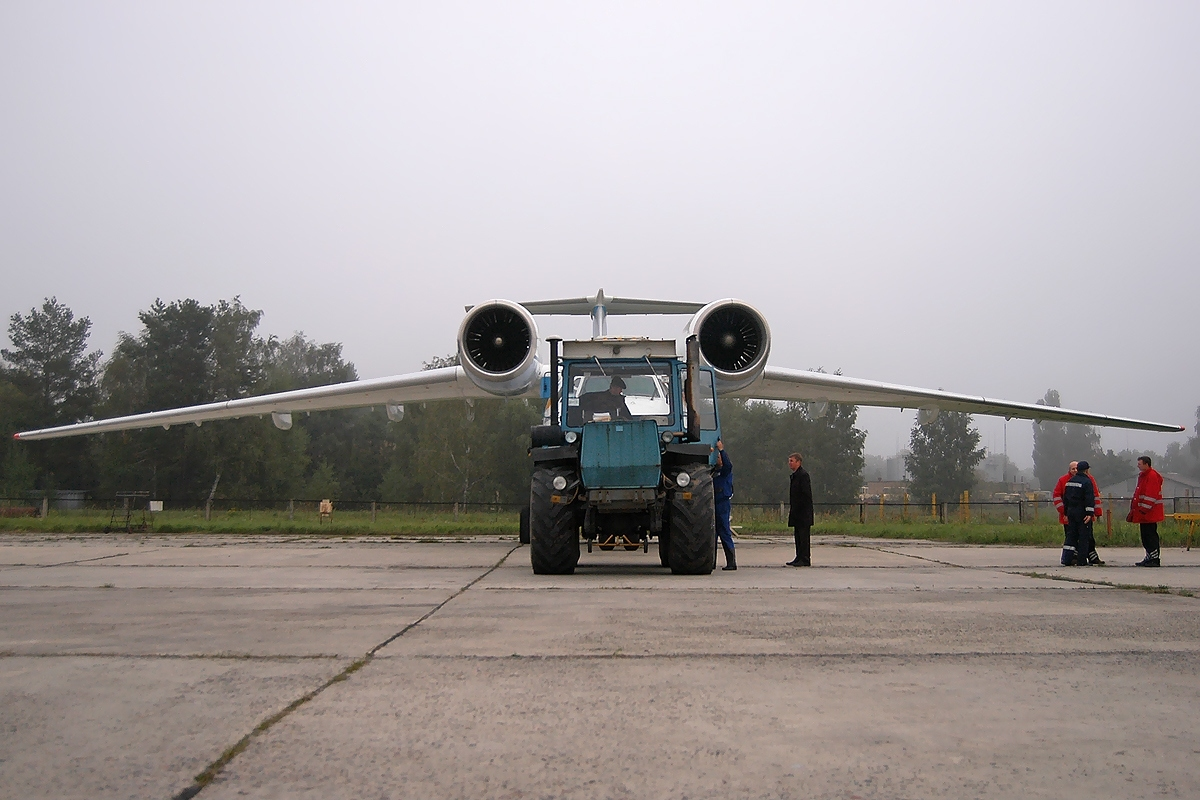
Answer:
(625, 456)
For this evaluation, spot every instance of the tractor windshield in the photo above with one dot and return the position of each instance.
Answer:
(602, 392)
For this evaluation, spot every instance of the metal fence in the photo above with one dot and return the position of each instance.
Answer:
(292, 508)
(981, 511)
(985, 511)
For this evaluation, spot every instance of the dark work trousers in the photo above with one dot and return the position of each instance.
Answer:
(1085, 540)
(1073, 548)
(1150, 538)
(803, 535)
(724, 531)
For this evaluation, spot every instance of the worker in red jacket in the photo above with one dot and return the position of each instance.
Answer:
(1146, 509)
(1091, 558)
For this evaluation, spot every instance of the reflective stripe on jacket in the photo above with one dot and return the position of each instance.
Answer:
(1058, 501)
(1147, 502)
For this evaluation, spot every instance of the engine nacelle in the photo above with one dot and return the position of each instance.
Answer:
(497, 347)
(735, 341)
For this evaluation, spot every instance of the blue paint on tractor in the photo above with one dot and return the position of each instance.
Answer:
(621, 455)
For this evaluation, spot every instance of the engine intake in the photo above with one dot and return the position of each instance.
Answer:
(497, 347)
(735, 341)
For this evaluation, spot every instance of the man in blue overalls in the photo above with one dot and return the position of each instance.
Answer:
(723, 492)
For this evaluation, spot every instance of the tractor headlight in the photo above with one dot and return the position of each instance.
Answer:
(683, 479)
(570, 436)
(668, 436)
(559, 482)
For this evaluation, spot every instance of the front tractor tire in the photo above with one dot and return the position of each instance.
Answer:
(692, 537)
(553, 525)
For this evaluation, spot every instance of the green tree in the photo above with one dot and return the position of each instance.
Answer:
(50, 380)
(187, 354)
(1056, 444)
(759, 437)
(50, 351)
(451, 451)
(1109, 467)
(943, 456)
(1184, 458)
(323, 485)
(353, 443)
(17, 475)
(833, 452)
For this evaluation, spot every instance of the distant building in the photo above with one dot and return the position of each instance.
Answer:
(997, 475)
(888, 490)
(885, 468)
(894, 468)
(62, 499)
(1174, 485)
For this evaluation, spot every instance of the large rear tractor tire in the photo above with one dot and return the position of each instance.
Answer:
(692, 541)
(553, 526)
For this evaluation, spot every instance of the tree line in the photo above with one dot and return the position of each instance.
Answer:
(1055, 445)
(187, 353)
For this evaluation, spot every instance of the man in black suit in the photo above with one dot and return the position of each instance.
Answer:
(800, 517)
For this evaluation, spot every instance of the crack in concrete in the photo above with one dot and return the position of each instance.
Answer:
(918, 558)
(214, 769)
(63, 563)
(1160, 588)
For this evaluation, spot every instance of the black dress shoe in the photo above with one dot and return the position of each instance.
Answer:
(1148, 562)
(795, 563)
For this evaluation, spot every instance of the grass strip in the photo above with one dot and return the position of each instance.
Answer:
(438, 525)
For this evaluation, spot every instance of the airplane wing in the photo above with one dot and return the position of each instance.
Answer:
(447, 383)
(791, 384)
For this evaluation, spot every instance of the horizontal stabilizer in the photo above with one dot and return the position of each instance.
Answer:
(582, 306)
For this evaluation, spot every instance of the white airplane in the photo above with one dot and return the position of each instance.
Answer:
(498, 345)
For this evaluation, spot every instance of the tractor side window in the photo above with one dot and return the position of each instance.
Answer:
(706, 402)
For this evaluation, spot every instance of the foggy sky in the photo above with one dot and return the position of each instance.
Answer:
(993, 198)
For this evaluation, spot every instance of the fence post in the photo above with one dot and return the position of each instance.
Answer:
(862, 513)
(881, 508)
(1108, 519)
(905, 517)
(207, 510)
(456, 511)
(1020, 511)
(942, 515)
(291, 510)
(45, 505)
(782, 516)
(372, 512)
(933, 508)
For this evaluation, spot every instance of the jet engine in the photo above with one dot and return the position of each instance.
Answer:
(497, 347)
(734, 340)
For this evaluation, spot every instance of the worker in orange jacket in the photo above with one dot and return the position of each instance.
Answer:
(1146, 509)
(1091, 558)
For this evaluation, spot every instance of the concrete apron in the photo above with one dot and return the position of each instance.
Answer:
(131, 664)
